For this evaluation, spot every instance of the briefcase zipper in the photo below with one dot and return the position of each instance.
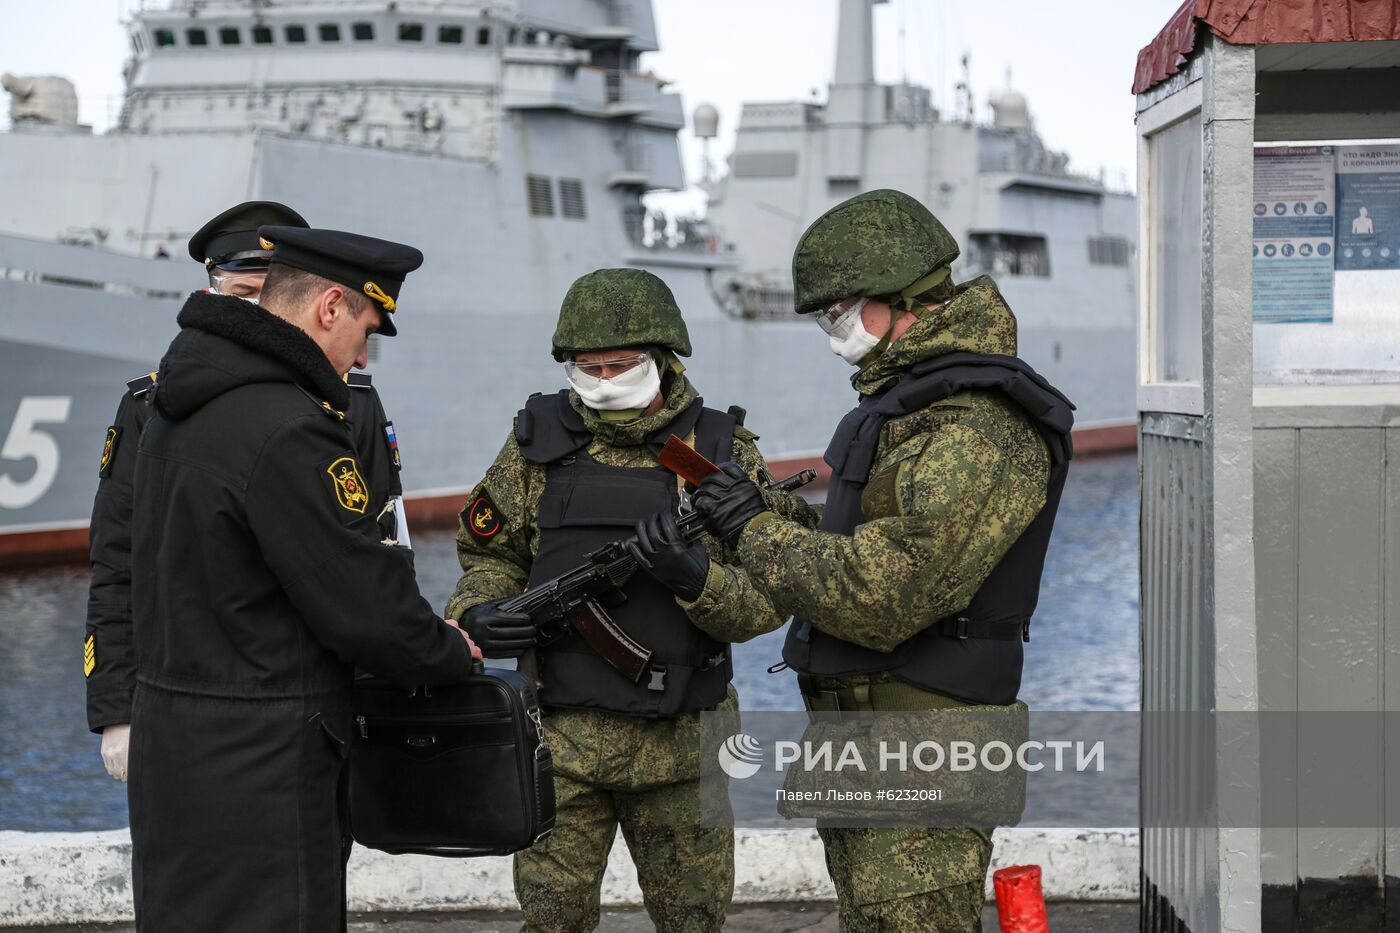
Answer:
(451, 719)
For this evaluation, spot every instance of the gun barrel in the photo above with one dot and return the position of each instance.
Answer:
(795, 481)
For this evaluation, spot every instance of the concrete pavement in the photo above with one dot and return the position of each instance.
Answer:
(812, 917)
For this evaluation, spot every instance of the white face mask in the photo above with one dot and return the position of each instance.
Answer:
(635, 388)
(855, 344)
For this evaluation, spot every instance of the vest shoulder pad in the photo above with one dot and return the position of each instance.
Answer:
(947, 375)
(356, 379)
(738, 414)
(548, 428)
(141, 385)
(714, 434)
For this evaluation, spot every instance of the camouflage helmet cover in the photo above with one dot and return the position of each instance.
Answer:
(619, 308)
(877, 243)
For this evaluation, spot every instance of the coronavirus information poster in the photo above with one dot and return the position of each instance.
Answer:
(1368, 207)
(1294, 233)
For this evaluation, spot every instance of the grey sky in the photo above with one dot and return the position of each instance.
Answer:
(1073, 60)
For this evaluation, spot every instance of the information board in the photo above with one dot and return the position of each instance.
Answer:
(1368, 207)
(1294, 233)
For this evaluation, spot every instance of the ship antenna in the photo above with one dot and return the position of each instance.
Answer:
(967, 82)
(964, 90)
(903, 43)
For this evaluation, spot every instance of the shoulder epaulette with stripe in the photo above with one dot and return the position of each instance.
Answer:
(356, 379)
(141, 385)
(324, 406)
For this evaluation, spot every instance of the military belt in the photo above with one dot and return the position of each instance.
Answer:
(959, 627)
(868, 698)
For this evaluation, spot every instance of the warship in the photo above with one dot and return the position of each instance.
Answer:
(514, 142)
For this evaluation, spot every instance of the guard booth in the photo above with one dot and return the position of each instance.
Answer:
(1269, 439)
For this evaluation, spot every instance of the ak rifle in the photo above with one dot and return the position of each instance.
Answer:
(578, 599)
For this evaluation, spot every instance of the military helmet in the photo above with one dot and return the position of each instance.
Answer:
(875, 244)
(619, 308)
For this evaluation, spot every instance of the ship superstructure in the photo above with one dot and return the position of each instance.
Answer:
(1060, 245)
(512, 141)
(543, 98)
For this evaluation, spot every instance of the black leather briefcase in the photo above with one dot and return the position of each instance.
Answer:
(459, 770)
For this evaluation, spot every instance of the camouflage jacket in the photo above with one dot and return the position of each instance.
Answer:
(729, 609)
(951, 488)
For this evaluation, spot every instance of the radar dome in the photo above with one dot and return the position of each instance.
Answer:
(1010, 111)
(706, 119)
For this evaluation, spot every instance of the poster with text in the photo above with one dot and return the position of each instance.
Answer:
(1368, 207)
(1294, 233)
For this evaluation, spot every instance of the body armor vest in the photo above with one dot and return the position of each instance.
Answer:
(975, 655)
(586, 504)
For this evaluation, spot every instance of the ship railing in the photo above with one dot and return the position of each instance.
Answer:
(755, 301)
(46, 262)
(766, 304)
(630, 87)
(655, 230)
(474, 141)
(635, 93)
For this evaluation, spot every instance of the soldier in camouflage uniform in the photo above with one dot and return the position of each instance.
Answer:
(579, 469)
(915, 591)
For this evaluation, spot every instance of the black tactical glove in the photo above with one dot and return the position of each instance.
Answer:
(679, 565)
(499, 634)
(727, 501)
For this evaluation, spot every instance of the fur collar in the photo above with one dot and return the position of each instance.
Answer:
(248, 325)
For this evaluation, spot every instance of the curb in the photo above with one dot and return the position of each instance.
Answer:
(52, 878)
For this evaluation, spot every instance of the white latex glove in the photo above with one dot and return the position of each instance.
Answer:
(116, 740)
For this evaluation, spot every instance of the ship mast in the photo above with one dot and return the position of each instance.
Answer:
(853, 83)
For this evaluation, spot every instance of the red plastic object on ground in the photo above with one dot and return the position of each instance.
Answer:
(1020, 903)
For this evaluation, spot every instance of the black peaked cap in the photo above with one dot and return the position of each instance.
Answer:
(232, 237)
(374, 267)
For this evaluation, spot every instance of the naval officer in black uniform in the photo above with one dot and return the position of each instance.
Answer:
(260, 582)
(236, 262)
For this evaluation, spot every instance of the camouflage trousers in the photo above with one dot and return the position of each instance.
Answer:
(896, 878)
(642, 775)
(907, 878)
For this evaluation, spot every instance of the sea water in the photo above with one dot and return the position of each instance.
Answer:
(1083, 653)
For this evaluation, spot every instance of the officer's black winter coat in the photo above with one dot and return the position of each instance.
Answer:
(110, 666)
(258, 583)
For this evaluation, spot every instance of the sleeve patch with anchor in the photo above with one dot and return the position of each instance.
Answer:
(89, 655)
(350, 490)
(109, 451)
(483, 519)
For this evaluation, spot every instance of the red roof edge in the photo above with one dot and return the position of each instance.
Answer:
(1262, 22)
(1164, 55)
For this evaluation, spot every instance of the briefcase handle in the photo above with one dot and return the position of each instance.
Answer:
(478, 667)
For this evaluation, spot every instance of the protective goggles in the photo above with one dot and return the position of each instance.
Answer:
(237, 284)
(837, 320)
(623, 371)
